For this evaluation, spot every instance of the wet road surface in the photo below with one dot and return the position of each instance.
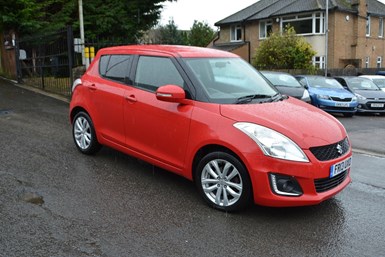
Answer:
(55, 201)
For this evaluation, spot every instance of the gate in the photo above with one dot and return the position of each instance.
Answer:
(46, 61)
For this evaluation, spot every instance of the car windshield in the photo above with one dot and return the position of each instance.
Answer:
(379, 82)
(285, 80)
(322, 82)
(230, 80)
(362, 84)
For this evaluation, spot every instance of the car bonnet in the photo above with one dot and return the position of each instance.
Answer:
(371, 93)
(306, 125)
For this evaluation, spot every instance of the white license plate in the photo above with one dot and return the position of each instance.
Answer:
(342, 104)
(340, 167)
(377, 105)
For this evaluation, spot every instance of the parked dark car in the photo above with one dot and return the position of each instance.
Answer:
(287, 84)
(370, 97)
(329, 95)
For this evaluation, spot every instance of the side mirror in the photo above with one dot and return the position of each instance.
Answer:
(171, 93)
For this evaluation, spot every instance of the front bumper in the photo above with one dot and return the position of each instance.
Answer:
(369, 107)
(337, 107)
(306, 174)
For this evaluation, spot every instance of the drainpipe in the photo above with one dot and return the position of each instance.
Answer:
(326, 37)
(248, 42)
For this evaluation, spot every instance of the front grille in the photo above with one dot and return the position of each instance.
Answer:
(325, 184)
(330, 152)
(338, 99)
(333, 108)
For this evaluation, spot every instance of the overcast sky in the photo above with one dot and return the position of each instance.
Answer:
(184, 12)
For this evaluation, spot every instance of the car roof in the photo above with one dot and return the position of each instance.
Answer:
(373, 76)
(164, 50)
(314, 76)
(274, 72)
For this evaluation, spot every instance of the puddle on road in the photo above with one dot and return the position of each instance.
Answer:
(5, 112)
(31, 197)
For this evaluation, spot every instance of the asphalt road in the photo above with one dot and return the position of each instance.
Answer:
(55, 201)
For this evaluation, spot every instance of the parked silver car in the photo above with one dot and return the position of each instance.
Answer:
(371, 98)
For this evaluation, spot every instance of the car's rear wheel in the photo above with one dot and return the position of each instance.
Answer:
(223, 181)
(84, 135)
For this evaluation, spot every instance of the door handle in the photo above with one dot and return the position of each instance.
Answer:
(92, 87)
(131, 98)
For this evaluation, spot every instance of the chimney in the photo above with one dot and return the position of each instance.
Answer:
(361, 6)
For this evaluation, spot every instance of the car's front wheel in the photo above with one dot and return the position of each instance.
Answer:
(223, 181)
(84, 135)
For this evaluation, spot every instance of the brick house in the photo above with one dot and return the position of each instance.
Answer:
(355, 35)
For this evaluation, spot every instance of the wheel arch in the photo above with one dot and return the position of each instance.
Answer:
(75, 111)
(209, 149)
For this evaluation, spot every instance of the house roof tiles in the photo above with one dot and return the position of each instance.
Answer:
(264, 9)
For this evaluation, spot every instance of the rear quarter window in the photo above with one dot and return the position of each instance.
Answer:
(115, 67)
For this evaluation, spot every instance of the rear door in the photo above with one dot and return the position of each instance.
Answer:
(108, 96)
(157, 129)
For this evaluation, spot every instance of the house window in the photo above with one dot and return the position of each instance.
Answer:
(367, 59)
(379, 62)
(368, 26)
(236, 33)
(306, 23)
(319, 62)
(265, 28)
(380, 27)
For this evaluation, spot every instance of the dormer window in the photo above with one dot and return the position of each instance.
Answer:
(236, 33)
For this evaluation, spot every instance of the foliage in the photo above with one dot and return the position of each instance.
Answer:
(201, 34)
(284, 51)
(102, 18)
(170, 35)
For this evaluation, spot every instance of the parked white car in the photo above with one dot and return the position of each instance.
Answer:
(379, 80)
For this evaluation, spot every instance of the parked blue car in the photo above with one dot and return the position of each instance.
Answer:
(329, 95)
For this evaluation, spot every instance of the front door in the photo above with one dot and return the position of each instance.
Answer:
(159, 130)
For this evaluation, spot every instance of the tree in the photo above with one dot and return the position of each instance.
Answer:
(284, 51)
(201, 34)
(169, 34)
(102, 18)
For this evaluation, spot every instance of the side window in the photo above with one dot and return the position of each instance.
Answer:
(153, 72)
(115, 67)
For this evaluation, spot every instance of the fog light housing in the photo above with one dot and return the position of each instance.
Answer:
(284, 185)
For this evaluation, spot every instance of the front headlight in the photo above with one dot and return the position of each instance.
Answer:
(325, 97)
(272, 143)
(354, 99)
(306, 97)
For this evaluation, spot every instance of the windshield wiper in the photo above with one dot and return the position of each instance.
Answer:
(249, 98)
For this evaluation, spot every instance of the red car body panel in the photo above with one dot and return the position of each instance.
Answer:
(170, 135)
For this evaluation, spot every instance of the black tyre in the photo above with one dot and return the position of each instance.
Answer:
(223, 182)
(84, 135)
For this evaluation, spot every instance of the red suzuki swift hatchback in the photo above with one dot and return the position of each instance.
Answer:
(209, 116)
